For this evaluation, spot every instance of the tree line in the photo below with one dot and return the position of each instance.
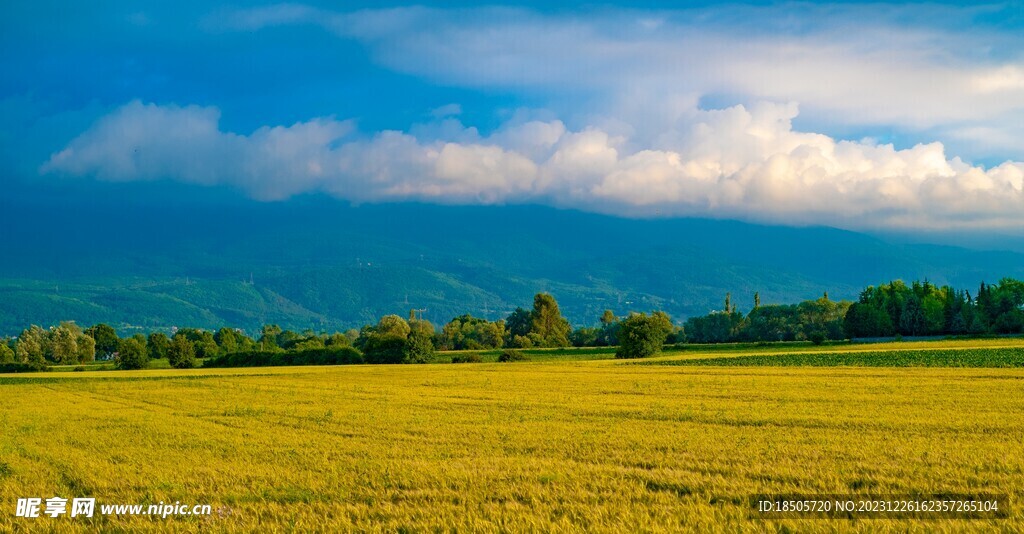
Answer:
(923, 309)
(892, 309)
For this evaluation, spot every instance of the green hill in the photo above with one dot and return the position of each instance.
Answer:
(322, 264)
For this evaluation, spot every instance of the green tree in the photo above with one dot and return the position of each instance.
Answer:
(933, 308)
(181, 352)
(63, 343)
(309, 343)
(958, 323)
(468, 332)
(157, 344)
(641, 335)
(228, 340)
(912, 320)
(287, 339)
(395, 340)
(86, 348)
(984, 304)
(584, 337)
(385, 342)
(605, 335)
(6, 352)
(268, 337)
(822, 318)
(716, 327)
(203, 341)
(131, 354)
(546, 321)
(774, 322)
(30, 345)
(393, 325)
(105, 337)
(518, 323)
(1010, 322)
(519, 342)
(419, 346)
(338, 340)
(864, 319)
(975, 321)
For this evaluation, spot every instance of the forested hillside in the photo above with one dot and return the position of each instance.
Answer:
(323, 264)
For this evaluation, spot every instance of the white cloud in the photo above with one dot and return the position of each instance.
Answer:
(739, 162)
(150, 142)
(624, 131)
(1008, 78)
(916, 67)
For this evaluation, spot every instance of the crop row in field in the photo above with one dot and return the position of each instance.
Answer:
(975, 357)
(536, 355)
(731, 350)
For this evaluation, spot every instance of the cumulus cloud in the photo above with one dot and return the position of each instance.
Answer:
(150, 142)
(738, 162)
(917, 67)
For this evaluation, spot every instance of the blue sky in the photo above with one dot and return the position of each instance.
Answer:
(862, 116)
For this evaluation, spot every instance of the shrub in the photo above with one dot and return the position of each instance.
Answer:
(817, 337)
(509, 355)
(521, 342)
(467, 358)
(22, 367)
(325, 356)
(385, 349)
(641, 335)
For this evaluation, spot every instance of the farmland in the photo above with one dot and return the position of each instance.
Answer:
(994, 357)
(554, 445)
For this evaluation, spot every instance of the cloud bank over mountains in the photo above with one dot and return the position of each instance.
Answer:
(627, 127)
(735, 162)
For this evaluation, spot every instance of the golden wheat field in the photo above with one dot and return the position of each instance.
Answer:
(598, 446)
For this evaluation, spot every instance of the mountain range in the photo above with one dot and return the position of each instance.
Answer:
(323, 264)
